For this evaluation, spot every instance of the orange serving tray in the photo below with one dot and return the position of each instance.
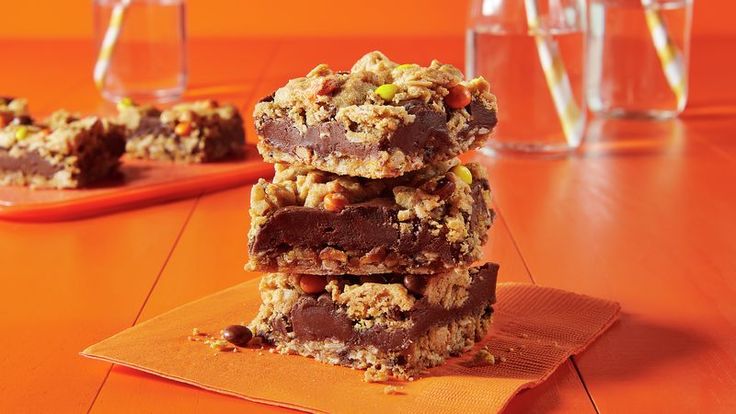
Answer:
(143, 183)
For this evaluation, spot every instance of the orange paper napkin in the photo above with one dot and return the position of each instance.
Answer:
(535, 330)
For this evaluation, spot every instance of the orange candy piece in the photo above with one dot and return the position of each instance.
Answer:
(335, 202)
(5, 120)
(312, 283)
(183, 128)
(458, 98)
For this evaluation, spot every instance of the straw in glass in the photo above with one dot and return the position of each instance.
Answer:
(669, 54)
(558, 81)
(109, 41)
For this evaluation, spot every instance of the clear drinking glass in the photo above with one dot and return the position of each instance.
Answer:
(531, 52)
(637, 57)
(142, 49)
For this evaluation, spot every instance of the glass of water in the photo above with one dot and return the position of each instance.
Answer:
(531, 52)
(141, 49)
(637, 57)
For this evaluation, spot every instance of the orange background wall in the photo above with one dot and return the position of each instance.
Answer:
(235, 18)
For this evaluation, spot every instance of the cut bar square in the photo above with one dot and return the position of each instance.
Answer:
(399, 325)
(65, 152)
(309, 221)
(194, 132)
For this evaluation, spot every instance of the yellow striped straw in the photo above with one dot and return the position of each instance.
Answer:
(669, 54)
(558, 81)
(109, 41)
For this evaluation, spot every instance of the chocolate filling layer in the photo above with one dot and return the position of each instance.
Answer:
(317, 319)
(426, 135)
(30, 163)
(360, 228)
(150, 124)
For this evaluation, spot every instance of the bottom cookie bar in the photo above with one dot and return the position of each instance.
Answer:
(390, 324)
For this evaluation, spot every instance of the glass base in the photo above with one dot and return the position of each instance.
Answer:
(498, 149)
(653, 114)
(159, 95)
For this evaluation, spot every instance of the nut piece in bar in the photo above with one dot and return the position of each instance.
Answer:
(14, 111)
(314, 222)
(377, 322)
(66, 152)
(378, 120)
(194, 132)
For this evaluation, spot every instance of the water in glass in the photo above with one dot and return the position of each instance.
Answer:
(503, 48)
(627, 73)
(148, 62)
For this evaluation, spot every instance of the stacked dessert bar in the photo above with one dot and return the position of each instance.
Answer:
(371, 224)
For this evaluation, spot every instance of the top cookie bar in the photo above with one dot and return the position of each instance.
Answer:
(379, 120)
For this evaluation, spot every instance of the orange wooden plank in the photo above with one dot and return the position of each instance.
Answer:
(35, 69)
(642, 217)
(66, 286)
(209, 257)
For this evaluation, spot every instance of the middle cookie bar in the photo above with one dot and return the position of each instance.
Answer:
(310, 221)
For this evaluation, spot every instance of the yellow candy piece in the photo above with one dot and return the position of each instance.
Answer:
(387, 91)
(463, 173)
(125, 103)
(404, 66)
(21, 133)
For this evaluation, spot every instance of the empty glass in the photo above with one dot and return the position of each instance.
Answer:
(531, 52)
(142, 49)
(637, 57)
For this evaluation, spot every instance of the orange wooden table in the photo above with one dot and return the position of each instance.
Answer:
(643, 215)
